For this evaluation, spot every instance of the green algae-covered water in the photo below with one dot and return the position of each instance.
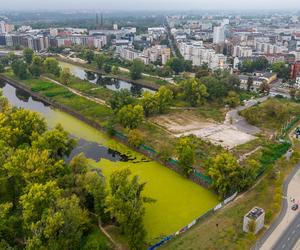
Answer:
(178, 200)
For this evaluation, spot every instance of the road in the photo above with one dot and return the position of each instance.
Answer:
(290, 237)
(239, 122)
(285, 231)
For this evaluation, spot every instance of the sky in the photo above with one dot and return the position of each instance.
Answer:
(148, 4)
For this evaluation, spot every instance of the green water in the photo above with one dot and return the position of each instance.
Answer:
(178, 200)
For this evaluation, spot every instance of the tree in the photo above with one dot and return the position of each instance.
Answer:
(203, 71)
(107, 68)
(165, 152)
(186, 154)
(131, 116)
(176, 64)
(100, 59)
(249, 83)
(136, 69)
(282, 69)
(22, 126)
(115, 70)
(120, 99)
(225, 172)
(125, 203)
(264, 87)
(2, 68)
(54, 222)
(88, 55)
(193, 91)
(164, 98)
(20, 69)
(215, 89)
(233, 99)
(57, 142)
(36, 66)
(65, 76)
(28, 55)
(150, 103)
(135, 138)
(52, 66)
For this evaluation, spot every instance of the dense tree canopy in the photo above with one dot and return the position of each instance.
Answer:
(136, 69)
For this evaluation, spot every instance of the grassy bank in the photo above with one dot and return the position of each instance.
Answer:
(224, 229)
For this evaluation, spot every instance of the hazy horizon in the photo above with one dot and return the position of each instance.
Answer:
(131, 5)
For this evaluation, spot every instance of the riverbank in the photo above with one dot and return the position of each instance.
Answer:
(153, 84)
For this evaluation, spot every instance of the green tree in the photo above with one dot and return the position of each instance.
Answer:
(135, 138)
(176, 64)
(225, 172)
(52, 66)
(186, 154)
(20, 69)
(28, 55)
(36, 67)
(164, 98)
(125, 203)
(57, 142)
(202, 71)
(88, 55)
(115, 70)
(131, 116)
(65, 76)
(136, 69)
(249, 83)
(2, 68)
(282, 69)
(150, 103)
(107, 68)
(233, 99)
(194, 91)
(120, 99)
(100, 59)
(215, 89)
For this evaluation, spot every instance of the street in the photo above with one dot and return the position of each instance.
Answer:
(285, 231)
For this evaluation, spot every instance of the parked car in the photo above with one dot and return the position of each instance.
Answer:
(295, 207)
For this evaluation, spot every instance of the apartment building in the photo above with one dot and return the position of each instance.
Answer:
(198, 54)
(242, 51)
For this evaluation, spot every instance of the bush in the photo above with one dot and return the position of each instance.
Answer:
(135, 138)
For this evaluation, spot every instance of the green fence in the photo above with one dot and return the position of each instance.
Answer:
(195, 176)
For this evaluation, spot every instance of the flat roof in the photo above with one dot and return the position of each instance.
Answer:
(255, 213)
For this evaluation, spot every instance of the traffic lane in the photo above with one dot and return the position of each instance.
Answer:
(291, 236)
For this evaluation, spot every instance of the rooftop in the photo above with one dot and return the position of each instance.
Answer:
(255, 213)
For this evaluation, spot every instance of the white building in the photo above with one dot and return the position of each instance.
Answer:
(242, 51)
(219, 35)
(6, 27)
(257, 215)
(198, 54)
(100, 41)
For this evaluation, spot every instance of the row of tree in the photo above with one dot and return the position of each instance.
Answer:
(47, 203)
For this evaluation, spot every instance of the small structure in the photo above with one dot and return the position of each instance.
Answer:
(256, 216)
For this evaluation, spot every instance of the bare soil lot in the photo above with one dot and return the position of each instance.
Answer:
(186, 123)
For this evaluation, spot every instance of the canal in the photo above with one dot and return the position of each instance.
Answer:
(178, 200)
(104, 81)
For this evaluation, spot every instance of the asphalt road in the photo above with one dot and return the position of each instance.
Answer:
(290, 237)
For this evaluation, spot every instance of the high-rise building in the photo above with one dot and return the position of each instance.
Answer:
(219, 35)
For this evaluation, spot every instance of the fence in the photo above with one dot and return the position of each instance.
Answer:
(195, 176)
(197, 220)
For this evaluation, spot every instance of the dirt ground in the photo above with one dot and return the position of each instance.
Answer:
(184, 123)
